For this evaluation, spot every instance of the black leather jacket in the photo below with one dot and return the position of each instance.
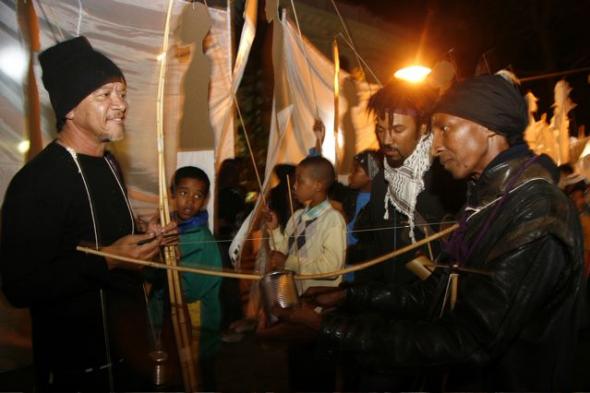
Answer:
(515, 330)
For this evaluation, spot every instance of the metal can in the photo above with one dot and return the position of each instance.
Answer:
(159, 358)
(278, 290)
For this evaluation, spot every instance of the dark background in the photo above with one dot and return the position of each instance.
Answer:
(532, 37)
(529, 37)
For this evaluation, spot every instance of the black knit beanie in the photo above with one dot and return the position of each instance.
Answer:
(489, 100)
(71, 71)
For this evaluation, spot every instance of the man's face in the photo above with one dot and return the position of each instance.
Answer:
(460, 145)
(102, 113)
(398, 136)
(358, 177)
(305, 186)
(190, 196)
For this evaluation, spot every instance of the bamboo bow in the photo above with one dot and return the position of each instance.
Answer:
(180, 322)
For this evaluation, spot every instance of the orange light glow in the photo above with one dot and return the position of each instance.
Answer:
(413, 74)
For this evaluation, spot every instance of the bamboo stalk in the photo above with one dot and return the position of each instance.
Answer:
(338, 159)
(159, 265)
(380, 259)
(179, 320)
(418, 267)
(29, 26)
(454, 290)
(293, 217)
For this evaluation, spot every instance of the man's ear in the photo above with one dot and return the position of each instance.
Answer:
(489, 133)
(497, 139)
(70, 114)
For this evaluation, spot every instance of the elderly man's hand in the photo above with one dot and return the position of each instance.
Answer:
(167, 233)
(298, 324)
(325, 297)
(150, 223)
(303, 314)
(143, 247)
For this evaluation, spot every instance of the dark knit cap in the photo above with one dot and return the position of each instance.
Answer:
(489, 100)
(71, 71)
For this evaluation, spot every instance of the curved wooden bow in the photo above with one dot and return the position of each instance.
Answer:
(180, 321)
(258, 276)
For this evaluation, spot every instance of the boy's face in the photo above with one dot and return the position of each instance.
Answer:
(305, 186)
(189, 197)
(358, 177)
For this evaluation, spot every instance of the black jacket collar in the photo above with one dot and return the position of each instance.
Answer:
(496, 177)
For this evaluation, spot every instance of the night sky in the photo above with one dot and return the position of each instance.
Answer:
(532, 37)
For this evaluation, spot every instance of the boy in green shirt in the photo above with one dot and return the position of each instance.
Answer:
(198, 248)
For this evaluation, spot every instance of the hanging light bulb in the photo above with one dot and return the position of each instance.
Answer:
(413, 74)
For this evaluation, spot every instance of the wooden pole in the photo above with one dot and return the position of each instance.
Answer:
(337, 151)
(29, 26)
(180, 322)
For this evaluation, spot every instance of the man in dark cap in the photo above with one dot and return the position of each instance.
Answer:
(88, 312)
(513, 320)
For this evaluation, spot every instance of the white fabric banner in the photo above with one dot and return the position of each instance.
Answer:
(224, 85)
(130, 33)
(299, 90)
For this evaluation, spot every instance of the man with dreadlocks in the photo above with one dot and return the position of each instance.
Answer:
(411, 195)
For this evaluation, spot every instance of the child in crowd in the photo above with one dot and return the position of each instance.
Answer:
(190, 192)
(314, 240)
(365, 166)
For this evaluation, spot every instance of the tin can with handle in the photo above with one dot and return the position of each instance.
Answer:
(278, 290)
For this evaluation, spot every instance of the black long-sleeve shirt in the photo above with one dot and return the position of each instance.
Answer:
(46, 214)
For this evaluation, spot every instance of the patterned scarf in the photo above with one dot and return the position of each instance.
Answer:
(406, 182)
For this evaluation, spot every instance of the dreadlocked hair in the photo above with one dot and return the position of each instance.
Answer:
(396, 95)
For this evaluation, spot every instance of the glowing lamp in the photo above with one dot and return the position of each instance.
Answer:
(413, 74)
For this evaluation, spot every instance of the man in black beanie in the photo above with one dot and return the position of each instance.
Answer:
(512, 323)
(88, 313)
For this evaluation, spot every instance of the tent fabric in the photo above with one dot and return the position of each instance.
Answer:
(223, 85)
(295, 105)
(130, 33)
(294, 88)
